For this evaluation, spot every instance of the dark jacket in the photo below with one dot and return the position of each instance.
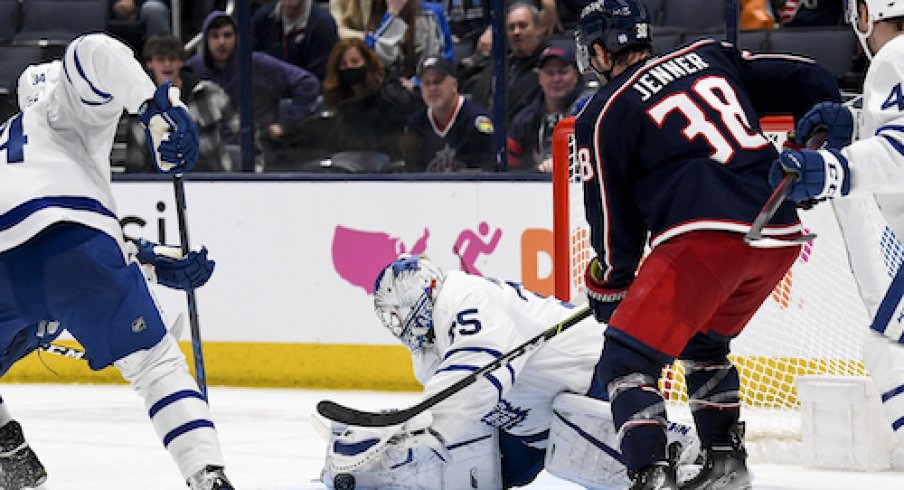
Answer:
(530, 135)
(522, 84)
(271, 80)
(308, 47)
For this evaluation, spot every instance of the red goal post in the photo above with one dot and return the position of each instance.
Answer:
(813, 322)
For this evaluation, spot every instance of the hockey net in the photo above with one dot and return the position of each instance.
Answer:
(813, 322)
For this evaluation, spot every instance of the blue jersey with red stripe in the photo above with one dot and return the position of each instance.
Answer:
(673, 144)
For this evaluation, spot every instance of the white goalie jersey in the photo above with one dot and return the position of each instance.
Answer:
(477, 320)
(55, 154)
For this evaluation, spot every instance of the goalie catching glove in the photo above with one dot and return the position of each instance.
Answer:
(171, 133)
(602, 297)
(172, 268)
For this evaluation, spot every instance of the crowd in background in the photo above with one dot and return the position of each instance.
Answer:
(384, 85)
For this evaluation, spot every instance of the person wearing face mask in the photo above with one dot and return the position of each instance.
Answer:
(369, 110)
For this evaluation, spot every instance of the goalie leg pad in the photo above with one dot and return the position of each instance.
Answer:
(884, 359)
(410, 456)
(177, 409)
(583, 443)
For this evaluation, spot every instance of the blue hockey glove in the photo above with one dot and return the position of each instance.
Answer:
(27, 340)
(837, 119)
(823, 173)
(603, 299)
(171, 133)
(172, 269)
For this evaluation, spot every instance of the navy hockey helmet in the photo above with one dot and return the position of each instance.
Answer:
(616, 24)
(403, 299)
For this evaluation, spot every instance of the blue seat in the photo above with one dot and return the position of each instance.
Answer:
(754, 41)
(832, 48)
(693, 15)
(14, 59)
(9, 13)
(59, 21)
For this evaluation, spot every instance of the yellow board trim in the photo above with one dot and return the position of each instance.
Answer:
(323, 366)
(388, 368)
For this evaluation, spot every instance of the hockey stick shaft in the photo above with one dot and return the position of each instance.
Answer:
(62, 350)
(782, 191)
(193, 321)
(351, 416)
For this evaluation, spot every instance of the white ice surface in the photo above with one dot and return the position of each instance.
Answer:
(99, 438)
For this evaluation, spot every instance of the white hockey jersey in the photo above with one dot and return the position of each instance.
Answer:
(877, 157)
(871, 217)
(55, 154)
(477, 320)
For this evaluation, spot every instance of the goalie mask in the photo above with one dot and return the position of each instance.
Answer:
(877, 10)
(404, 295)
(615, 24)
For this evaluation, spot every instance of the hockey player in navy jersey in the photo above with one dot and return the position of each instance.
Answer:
(674, 158)
(864, 160)
(62, 254)
(503, 429)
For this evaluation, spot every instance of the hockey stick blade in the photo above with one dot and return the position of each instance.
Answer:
(351, 416)
(754, 237)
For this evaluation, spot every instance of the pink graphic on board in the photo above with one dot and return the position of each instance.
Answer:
(469, 246)
(358, 255)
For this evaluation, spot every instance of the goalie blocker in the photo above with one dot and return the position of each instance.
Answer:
(582, 448)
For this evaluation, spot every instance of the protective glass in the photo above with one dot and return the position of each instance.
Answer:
(581, 52)
(850, 11)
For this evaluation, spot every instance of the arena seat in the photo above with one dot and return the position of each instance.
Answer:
(693, 15)
(14, 59)
(58, 21)
(9, 9)
(832, 48)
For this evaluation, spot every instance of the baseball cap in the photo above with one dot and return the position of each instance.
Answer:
(562, 53)
(437, 63)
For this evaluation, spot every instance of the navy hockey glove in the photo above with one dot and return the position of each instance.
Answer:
(602, 298)
(822, 173)
(836, 118)
(172, 269)
(171, 133)
(27, 340)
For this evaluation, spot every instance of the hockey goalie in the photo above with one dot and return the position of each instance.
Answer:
(502, 430)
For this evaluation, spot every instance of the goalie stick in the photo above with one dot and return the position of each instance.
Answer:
(754, 237)
(351, 416)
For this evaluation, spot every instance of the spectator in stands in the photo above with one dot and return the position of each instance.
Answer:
(300, 32)
(207, 102)
(154, 15)
(453, 133)
(526, 42)
(403, 34)
(756, 14)
(559, 15)
(468, 19)
(562, 94)
(801, 13)
(271, 80)
(369, 107)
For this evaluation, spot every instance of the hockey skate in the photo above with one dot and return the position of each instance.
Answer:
(19, 465)
(723, 467)
(658, 476)
(210, 478)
